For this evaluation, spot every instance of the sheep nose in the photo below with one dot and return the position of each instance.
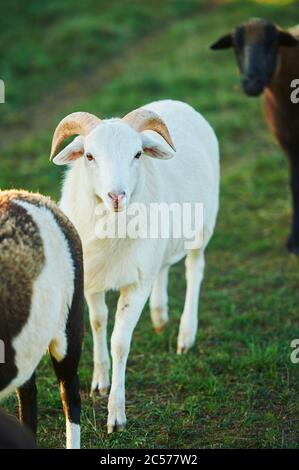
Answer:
(117, 197)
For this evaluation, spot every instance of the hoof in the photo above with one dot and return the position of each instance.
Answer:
(116, 414)
(102, 392)
(293, 245)
(185, 343)
(182, 350)
(159, 318)
(111, 428)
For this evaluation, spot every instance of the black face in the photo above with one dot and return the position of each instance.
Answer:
(256, 44)
(256, 53)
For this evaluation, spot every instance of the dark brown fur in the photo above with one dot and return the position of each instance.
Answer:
(13, 436)
(281, 114)
(21, 261)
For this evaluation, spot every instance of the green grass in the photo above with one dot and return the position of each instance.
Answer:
(237, 388)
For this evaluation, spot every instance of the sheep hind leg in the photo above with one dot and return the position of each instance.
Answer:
(66, 370)
(66, 373)
(189, 319)
(27, 398)
(159, 301)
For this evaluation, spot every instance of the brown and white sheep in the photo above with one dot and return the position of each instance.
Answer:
(41, 303)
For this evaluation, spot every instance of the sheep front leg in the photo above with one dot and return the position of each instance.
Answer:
(129, 308)
(98, 314)
(188, 325)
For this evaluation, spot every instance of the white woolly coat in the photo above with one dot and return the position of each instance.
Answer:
(191, 176)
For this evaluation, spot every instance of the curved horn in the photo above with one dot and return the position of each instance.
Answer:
(145, 120)
(75, 123)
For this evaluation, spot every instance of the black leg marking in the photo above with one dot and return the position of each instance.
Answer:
(69, 388)
(27, 397)
(293, 241)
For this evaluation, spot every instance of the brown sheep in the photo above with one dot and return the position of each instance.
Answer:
(268, 60)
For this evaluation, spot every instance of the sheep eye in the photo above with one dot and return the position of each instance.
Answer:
(89, 157)
(138, 155)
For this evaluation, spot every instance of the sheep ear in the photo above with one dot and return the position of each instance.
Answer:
(71, 152)
(225, 42)
(156, 148)
(286, 39)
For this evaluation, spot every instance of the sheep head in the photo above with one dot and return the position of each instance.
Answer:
(256, 44)
(111, 149)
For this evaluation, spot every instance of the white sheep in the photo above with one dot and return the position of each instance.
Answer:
(114, 172)
(41, 303)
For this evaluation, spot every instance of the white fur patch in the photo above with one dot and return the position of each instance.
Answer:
(191, 176)
(72, 435)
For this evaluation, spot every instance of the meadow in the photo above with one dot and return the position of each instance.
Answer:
(237, 388)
